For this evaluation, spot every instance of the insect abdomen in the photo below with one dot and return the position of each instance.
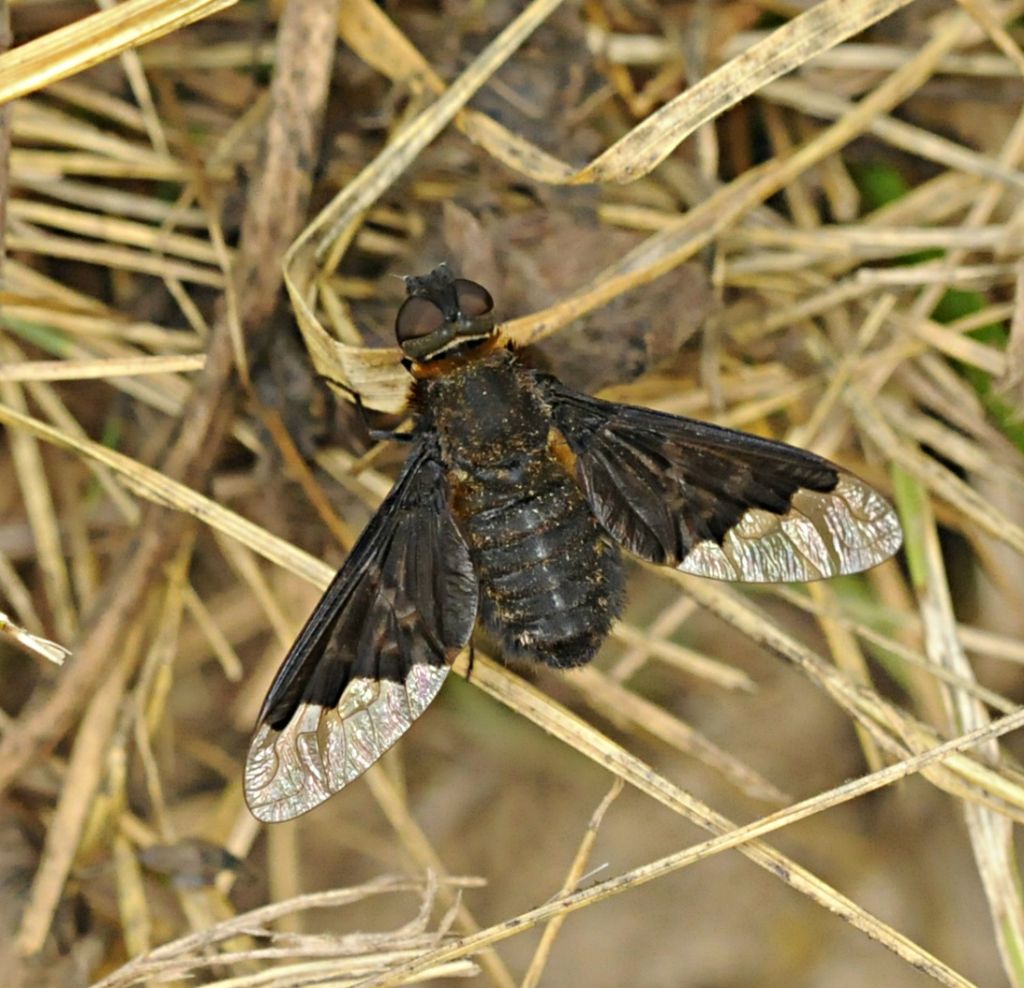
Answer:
(551, 583)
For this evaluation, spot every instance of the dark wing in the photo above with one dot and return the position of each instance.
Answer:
(373, 654)
(719, 503)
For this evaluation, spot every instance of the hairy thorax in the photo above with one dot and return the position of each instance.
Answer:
(487, 412)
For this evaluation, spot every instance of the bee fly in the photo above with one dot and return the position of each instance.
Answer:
(512, 508)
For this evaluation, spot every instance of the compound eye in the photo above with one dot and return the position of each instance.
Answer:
(417, 317)
(474, 299)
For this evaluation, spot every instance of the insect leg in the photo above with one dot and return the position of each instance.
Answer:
(377, 435)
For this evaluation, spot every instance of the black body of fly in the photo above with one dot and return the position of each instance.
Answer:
(511, 509)
(550, 578)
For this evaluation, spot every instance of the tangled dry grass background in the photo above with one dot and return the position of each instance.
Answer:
(830, 192)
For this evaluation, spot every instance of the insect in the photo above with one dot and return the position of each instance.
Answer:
(512, 508)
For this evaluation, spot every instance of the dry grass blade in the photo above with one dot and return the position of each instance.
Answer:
(893, 728)
(627, 710)
(51, 651)
(991, 833)
(576, 874)
(844, 229)
(326, 232)
(735, 838)
(816, 30)
(585, 739)
(1014, 380)
(392, 801)
(196, 953)
(94, 39)
(686, 659)
(85, 767)
(899, 135)
(379, 378)
(79, 370)
(42, 514)
(935, 476)
(160, 489)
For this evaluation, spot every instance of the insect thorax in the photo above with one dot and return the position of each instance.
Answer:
(487, 412)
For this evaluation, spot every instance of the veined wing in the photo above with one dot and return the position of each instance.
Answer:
(719, 503)
(373, 654)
